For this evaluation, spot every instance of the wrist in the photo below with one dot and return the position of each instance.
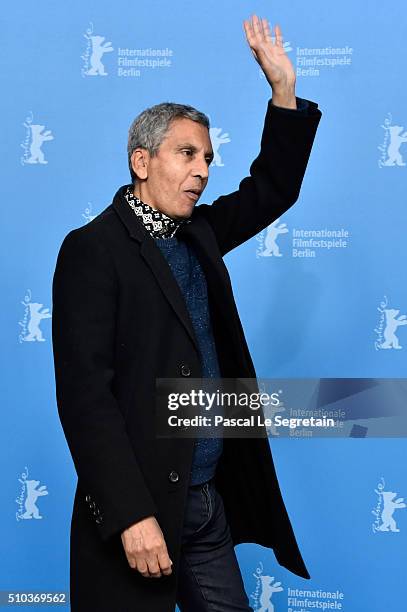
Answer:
(284, 95)
(285, 101)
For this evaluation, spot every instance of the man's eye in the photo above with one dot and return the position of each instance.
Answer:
(187, 151)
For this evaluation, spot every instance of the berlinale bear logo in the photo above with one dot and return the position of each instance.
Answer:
(96, 47)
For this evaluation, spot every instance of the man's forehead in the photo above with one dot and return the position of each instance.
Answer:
(181, 129)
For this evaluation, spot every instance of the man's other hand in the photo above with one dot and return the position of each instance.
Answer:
(145, 548)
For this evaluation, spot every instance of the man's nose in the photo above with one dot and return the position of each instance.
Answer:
(201, 168)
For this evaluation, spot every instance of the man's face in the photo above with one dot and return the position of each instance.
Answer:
(181, 164)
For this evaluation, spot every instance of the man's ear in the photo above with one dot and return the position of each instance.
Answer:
(139, 162)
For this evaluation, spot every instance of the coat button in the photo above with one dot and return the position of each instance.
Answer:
(173, 476)
(88, 498)
(185, 371)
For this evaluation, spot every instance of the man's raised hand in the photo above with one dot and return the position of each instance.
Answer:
(272, 58)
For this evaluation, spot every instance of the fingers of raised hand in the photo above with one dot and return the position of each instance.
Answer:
(279, 36)
(266, 30)
(254, 30)
(260, 36)
(258, 27)
(258, 32)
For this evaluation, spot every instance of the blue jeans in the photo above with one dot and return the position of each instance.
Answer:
(210, 578)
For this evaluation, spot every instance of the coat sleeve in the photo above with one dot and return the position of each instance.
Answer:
(275, 177)
(84, 294)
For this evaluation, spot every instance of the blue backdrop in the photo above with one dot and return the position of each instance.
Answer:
(329, 276)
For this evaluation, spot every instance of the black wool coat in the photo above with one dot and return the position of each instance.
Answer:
(119, 322)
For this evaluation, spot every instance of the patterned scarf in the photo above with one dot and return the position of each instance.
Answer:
(158, 224)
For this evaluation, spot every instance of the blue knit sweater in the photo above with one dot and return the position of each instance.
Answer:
(191, 280)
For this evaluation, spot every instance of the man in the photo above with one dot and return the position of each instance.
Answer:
(140, 293)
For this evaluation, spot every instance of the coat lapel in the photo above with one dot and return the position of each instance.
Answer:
(170, 288)
(198, 233)
(156, 261)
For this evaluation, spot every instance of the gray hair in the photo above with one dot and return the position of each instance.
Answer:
(149, 128)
